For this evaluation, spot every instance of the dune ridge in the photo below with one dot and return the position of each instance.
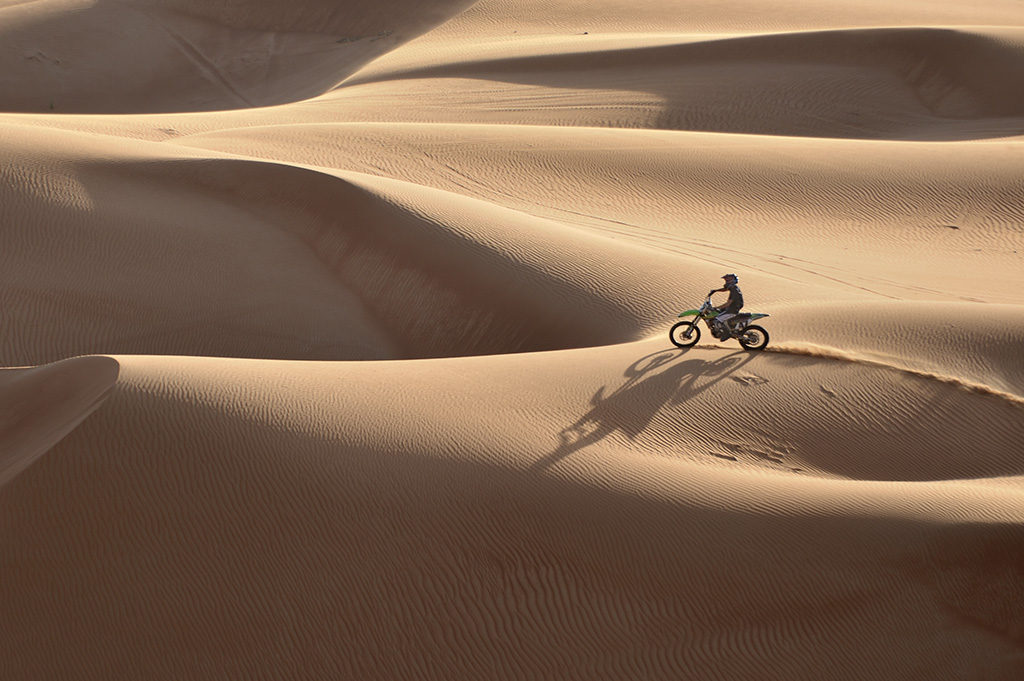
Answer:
(337, 337)
(871, 83)
(813, 350)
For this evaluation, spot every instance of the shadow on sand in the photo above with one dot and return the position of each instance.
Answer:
(657, 380)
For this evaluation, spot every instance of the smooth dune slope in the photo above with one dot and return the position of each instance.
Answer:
(337, 347)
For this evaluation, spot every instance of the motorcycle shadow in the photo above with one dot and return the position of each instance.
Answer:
(657, 380)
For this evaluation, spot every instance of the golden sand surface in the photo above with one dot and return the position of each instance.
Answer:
(336, 340)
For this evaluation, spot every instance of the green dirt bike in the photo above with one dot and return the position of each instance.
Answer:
(685, 334)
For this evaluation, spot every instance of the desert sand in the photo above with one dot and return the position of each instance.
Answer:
(336, 340)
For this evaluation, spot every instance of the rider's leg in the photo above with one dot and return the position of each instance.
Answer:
(721, 325)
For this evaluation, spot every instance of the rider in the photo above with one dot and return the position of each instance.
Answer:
(732, 307)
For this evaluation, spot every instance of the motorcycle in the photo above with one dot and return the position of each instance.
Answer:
(686, 333)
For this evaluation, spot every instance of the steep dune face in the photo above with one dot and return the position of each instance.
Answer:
(161, 267)
(110, 56)
(43, 404)
(376, 382)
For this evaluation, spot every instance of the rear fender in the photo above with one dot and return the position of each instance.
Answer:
(758, 315)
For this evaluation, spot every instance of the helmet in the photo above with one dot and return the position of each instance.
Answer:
(727, 277)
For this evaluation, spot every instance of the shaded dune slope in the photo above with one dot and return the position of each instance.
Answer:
(319, 543)
(160, 268)
(140, 56)
(41, 405)
(899, 83)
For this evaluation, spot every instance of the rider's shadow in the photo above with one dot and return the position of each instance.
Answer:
(653, 382)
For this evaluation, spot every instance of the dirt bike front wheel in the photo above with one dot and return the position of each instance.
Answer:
(684, 334)
(753, 338)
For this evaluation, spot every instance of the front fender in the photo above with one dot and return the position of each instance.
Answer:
(689, 313)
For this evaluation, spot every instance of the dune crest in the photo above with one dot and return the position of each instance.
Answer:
(814, 350)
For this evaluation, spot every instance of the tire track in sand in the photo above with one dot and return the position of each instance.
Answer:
(827, 352)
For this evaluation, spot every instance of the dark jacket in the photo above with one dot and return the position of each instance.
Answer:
(735, 298)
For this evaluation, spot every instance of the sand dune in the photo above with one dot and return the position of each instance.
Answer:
(43, 404)
(890, 83)
(267, 512)
(141, 56)
(536, 17)
(337, 340)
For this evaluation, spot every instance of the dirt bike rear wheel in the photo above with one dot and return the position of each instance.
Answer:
(677, 334)
(753, 338)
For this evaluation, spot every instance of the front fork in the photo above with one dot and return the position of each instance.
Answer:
(696, 319)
